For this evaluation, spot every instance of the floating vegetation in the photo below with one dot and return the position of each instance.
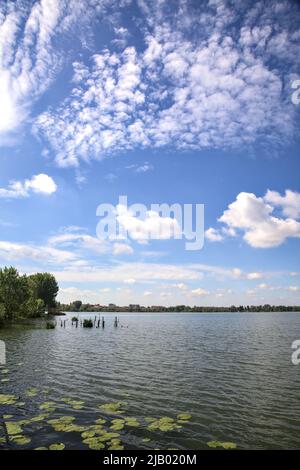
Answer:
(20, 439)
(164, 424)
(101, 421)
(57, 446)
(39, 418)
(4, 380)
(75, 404)
(5, 371)
(133, 422)
(113, 408)
(32, 392)
(98, 434)
(47, 406)
(13, 428)
(94, 443)
(184, 416)
(65, 424)
(224, 445)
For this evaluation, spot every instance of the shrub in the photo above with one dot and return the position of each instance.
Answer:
(87, 323)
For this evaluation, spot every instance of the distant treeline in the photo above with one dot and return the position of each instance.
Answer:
(24, 296)
(78, 306)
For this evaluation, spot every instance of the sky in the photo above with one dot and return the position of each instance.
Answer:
(164, 102)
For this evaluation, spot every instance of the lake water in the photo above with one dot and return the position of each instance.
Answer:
(231, 372)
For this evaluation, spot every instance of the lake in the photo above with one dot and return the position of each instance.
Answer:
(158, 381)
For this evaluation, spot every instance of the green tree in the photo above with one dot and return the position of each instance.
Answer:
(44, 287)
(77, 304)
(14, 292)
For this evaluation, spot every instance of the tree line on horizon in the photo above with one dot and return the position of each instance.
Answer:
(23, 296)
(79, 306)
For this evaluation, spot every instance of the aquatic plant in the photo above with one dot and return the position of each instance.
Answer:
(113, 408)
(50, 325)
(7, 399)
(32, 392)
(87, 323)
(224, 445)
(57, 446)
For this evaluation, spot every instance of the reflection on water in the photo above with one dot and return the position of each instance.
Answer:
(231, 372)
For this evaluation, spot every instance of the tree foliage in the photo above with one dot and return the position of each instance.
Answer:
(25, 296)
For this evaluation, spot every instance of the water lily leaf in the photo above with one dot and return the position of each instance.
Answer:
(57, 446)
(94, 443)
(5, 380)
(184, 416)
(224, 445)
(41, 448)
(32, 392)
(2, 440)
(113, 408)
(115, 447)
(5, 371)
(7, 399)
(13, 428)
(146, 439)
(39, 418)
(47, 406)
(87, 434)
(117, 427)
(7, 416)
(20, 439)
(132, 422)
(100, 421)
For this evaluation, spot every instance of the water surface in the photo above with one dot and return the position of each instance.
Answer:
(232, 372)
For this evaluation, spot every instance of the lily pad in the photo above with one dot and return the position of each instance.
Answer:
(113, 408)
(41, 448)
(13, 428)
(184, 416)
(20, 439)
(224, 445)
(32, 392)
(57, 446)
(7, 399)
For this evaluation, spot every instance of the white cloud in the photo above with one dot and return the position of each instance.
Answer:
(83, 241)
(290, 202)
(213, 235)
(253, 216)
(30, 55)
(122, 249)
(224, 87)
(151, 226)
(18, 251)
(254, 276)
(199, 292)
(40, 184)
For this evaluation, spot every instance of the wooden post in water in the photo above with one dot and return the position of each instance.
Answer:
(103, 322)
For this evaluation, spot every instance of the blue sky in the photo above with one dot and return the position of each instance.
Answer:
(164, 102)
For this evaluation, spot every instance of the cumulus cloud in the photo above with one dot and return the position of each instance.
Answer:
(290, 202)
(150, 225)
(213, 235)
(210, 75)
(253, 216)
(41, 184)
(199, 292)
